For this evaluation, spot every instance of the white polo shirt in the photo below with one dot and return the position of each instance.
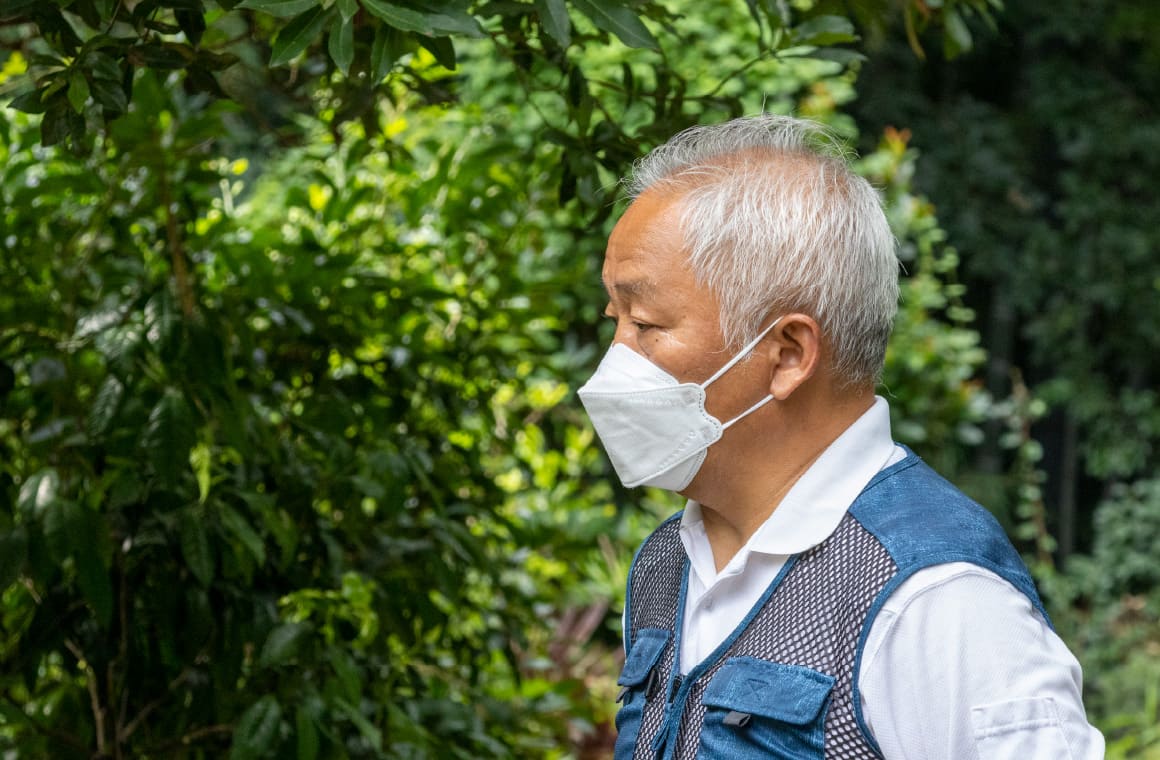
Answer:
(957, 665)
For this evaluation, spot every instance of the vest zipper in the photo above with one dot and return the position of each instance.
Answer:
(677, 679)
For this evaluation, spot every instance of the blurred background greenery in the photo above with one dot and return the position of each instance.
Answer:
(295, 296)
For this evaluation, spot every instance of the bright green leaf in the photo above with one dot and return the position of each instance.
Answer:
(298, 34)
(201, 460)
(615, 18)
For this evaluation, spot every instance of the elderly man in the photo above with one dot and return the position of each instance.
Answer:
(824, 593)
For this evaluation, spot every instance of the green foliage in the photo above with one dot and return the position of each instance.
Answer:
(290, 459)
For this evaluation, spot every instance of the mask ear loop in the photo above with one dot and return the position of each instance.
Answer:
(729, 365)
(741, 355)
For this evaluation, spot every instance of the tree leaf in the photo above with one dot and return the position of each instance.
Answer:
(192, 24)
(401, 18)
(442, 48)
(555, 21)
(389, 45)
(37, 492)
(195, 546)
(282, 644)
(86, 534)
(105, 405)
(956, 34)
(824, 30)
(245, 533)
(341, 45)
(298, 34)
(169, 436)
(28, 102)
(257, 730)
(614, 18)
(307, 733)
(279, 8)
(78, 91)
(13, 551)
(348, 9)
(201, 460)
(111, 95)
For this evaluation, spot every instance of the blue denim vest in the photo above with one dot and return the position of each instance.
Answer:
(784, 683)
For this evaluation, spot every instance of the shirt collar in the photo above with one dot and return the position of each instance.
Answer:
(818, 501)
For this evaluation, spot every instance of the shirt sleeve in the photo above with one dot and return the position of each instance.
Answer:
(959, 664)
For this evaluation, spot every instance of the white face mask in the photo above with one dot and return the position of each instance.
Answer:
(655, 429)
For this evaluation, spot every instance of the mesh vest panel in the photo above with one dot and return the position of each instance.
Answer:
(812, 619)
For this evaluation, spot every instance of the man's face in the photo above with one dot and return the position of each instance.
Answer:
(662, 313)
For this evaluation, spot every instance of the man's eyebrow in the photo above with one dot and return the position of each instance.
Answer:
(630, 287)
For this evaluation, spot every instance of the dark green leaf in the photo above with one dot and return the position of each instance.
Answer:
(169, 56)
(13, 551)
(348, 9)
(192, 23)
(341, 45)
(10, 9)
(615, 18)
(168, 437)
(87, 532)
(103, 66)
(195, 545)
(28, 102)
(55, 519)
(307, 733)
(298, 35)
(282, 644)
(555, 21)
(280, 8)
(105, 405)
(55, 124)
(257, 730)
(398, 17)
(78, 91)
(111, 95)
(389, 45)
(245, 533)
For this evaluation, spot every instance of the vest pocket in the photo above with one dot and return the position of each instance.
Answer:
(759, 709)
(637, 679)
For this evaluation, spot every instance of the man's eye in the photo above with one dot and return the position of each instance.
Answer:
(642, 326)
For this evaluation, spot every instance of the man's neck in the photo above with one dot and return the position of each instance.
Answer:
(739, 490)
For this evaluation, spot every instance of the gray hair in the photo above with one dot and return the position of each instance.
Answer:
(775, 220)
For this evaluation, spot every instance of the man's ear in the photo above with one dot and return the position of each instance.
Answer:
(794, 349)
